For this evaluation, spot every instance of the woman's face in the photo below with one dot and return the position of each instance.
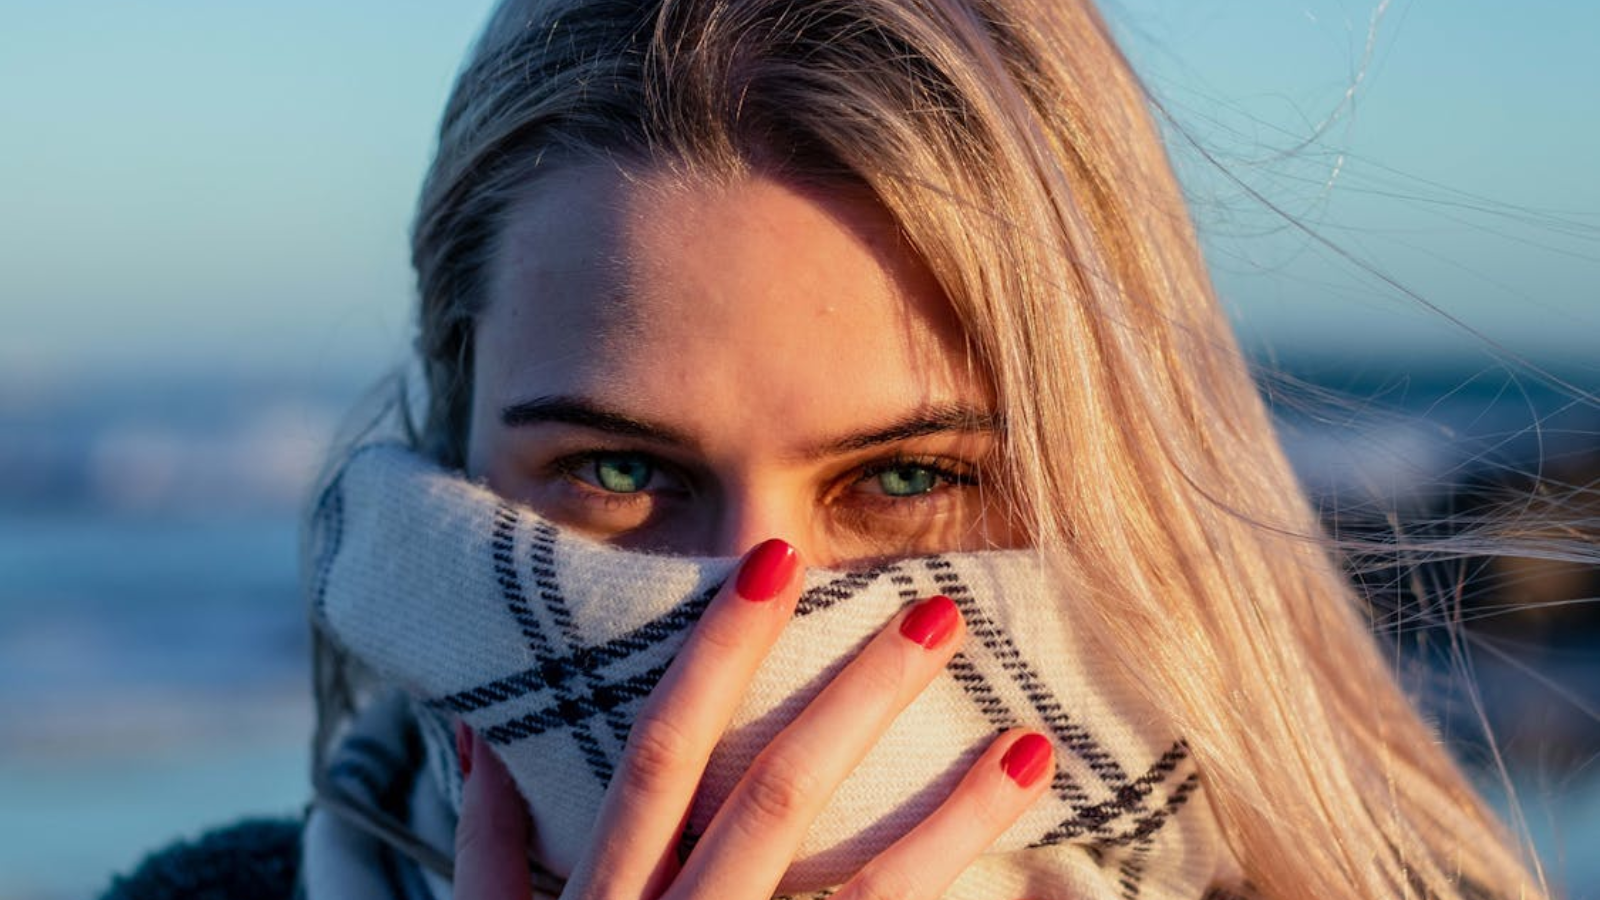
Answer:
(696, 368)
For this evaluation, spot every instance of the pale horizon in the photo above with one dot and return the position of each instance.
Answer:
(208, 188)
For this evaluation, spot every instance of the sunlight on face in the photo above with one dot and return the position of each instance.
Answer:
(696, 368)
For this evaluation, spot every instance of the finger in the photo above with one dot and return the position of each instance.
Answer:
(1004, 782)
(753, 837)
(492, 833)
(633, 850)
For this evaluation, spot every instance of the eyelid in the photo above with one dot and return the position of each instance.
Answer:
(952, 474)
(568, 465)
(956, 470)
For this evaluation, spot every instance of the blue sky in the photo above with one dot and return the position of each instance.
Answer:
(190, 185)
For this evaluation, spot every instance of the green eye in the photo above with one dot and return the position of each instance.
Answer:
(907, 481)
(623, 474)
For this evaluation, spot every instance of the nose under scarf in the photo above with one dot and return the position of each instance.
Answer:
(547, 644)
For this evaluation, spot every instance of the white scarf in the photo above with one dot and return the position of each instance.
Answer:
(547, 644)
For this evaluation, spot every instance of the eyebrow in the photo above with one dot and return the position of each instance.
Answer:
(940, 419)
(580, 412)
(568, 410)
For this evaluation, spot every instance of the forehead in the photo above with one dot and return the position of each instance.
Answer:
(688, 297)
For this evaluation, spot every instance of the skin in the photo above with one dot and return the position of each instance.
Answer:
(696, 367)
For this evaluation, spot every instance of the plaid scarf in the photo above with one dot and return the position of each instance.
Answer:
(547, 644)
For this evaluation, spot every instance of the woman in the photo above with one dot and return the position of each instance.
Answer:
(982, 179)
(878, 278)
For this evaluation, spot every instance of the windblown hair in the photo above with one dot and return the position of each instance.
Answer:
(1015, 148)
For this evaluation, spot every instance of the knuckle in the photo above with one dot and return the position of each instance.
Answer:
(778, 789)
(488, 834)
(881, 674)
(882, 883)
(659, 753)
(992, 810)
(472, 839)
(723, 635)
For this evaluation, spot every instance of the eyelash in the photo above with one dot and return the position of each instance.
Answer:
(946, 475)
(567, 467)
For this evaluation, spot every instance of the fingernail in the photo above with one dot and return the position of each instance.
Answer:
(1027, 759)
(464, 748)
(766, 570)
(931, 622)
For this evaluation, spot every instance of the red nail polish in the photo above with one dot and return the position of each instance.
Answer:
(1027, 759)
(931, 622)
(766, 570)
(464, 748)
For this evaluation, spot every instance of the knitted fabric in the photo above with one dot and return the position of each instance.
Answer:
(547, 645)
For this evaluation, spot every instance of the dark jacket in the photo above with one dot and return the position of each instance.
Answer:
(254, 859)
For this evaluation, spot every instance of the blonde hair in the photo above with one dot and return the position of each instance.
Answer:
(1014, 146)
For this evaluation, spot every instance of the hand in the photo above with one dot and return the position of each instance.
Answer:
(752, 838)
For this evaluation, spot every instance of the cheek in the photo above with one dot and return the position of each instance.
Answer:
(492, 465)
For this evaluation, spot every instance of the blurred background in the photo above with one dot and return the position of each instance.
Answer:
(203, 248)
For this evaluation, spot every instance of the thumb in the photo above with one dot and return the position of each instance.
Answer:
(492, 833)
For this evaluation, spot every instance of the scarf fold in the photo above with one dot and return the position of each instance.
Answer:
(546, 644)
